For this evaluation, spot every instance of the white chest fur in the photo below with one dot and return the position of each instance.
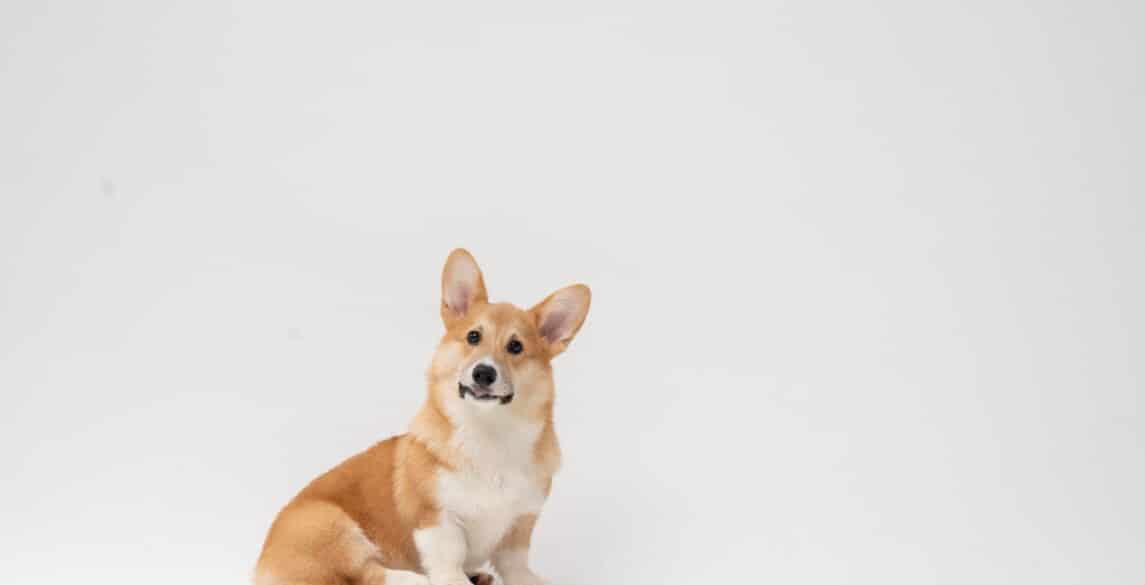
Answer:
(487, 506)
(499, 483)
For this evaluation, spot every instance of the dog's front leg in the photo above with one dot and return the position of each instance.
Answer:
(443, 550)
(511, 559)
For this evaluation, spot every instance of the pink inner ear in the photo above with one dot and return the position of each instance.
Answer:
(459, 300)
(552, 326)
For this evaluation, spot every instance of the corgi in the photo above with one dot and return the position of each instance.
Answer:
(463, 487)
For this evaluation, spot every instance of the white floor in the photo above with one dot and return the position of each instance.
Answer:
(867, 277)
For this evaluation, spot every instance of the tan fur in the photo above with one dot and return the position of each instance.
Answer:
(519, 536)
(356, 521)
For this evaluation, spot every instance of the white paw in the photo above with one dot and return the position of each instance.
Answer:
(405, 578)
(450, 579)
(524, 577)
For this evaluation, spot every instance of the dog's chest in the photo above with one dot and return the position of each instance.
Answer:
(488, 497)
(487, 505)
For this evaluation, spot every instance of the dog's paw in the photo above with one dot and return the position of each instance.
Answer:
(451, 579)
(524, 577)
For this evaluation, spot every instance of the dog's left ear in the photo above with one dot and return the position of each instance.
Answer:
(462, 286)
(559, 317)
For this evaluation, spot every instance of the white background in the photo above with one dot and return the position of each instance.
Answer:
(867, 276)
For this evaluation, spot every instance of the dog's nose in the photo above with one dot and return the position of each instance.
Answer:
(484, 374)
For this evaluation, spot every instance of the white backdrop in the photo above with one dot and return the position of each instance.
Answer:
(867, 276)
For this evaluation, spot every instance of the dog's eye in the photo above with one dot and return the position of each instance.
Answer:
(515, 346)
(473, 337)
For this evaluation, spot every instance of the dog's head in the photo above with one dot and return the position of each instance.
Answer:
(495, 356)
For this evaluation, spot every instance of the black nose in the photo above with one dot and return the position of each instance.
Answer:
(484, 374)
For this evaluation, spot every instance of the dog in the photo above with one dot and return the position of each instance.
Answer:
(462, 488)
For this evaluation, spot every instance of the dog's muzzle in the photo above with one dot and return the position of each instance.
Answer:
(481, 394)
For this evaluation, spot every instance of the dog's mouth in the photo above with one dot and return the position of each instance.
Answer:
(482, 394)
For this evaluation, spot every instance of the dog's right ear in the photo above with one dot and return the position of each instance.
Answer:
(462, 286)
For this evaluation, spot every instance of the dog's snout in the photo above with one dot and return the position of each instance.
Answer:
(484, 374)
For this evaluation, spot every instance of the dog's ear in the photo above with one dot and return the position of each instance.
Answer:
(462, 286)
(560, 315)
